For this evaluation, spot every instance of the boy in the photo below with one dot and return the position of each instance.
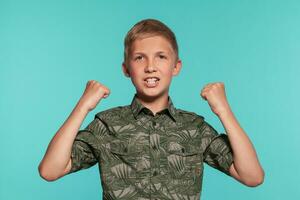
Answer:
(150, 149)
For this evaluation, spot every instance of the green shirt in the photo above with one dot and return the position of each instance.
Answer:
(142, 156)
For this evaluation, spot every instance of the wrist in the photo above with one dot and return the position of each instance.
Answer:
(225, 113)
(224, 110)
(82, 107)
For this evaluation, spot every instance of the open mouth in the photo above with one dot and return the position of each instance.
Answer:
(151, 81)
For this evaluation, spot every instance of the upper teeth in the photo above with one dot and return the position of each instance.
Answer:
(151, 79)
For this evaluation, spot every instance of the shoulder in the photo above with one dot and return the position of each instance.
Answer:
(189, 116)
(113, 113)
(192, 119)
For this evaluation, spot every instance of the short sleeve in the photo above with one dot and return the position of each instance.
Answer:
(218, 153)
(83, 153)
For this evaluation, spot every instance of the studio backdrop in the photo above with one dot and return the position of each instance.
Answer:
(50, 49)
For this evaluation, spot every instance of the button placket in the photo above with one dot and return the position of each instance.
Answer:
(154, 124)
(153, 169)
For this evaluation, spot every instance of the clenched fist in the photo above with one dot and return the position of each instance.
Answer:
(93, 93)
(214, 94)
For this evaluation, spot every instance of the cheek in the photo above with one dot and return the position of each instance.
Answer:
(168, 72)
(136, 76)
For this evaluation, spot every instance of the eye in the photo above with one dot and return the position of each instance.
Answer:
(138, 58)
(162, 57)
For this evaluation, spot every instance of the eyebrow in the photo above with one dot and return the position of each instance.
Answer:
(162, 52)
(142, 53)
(137, 53)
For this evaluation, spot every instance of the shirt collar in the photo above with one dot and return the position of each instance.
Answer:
(137, 107)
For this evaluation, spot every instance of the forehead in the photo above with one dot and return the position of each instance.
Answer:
(152, 44)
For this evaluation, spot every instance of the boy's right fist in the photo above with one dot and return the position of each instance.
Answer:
(93, 93)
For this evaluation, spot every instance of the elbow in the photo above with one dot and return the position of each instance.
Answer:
(45, 175)
(255, 180)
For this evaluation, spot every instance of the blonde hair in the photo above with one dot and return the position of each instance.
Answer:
(147, 28)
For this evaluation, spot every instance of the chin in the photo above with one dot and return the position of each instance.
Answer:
(151, 94)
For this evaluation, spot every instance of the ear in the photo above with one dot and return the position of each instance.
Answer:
(177, 67)
(125, 70)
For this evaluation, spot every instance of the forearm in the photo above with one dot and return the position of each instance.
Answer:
(245, 158)
(59, 149)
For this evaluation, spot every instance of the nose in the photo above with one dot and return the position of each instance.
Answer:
(150, 67)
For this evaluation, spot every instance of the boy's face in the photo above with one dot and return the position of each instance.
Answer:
(152, 64)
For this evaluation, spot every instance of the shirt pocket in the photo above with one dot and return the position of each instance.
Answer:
(185, 169)
(123, 160)
(185, 163)
(125, 150)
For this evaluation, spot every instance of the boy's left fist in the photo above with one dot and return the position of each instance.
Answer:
(214, 94)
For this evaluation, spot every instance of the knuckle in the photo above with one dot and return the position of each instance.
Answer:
(100, 87)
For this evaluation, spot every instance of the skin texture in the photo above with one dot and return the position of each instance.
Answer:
(57, 159)
(152, 56)
(246, 167)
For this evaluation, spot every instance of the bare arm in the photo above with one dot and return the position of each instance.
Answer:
(246, 167)
(57, 159)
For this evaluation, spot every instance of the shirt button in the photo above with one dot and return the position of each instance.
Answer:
(153, 123)
(154, 173)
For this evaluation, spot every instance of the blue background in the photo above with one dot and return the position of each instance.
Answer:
(50, 49)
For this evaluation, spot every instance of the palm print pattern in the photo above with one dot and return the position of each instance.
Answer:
(144, 156)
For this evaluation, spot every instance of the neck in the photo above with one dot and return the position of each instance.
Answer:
(154, 104)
